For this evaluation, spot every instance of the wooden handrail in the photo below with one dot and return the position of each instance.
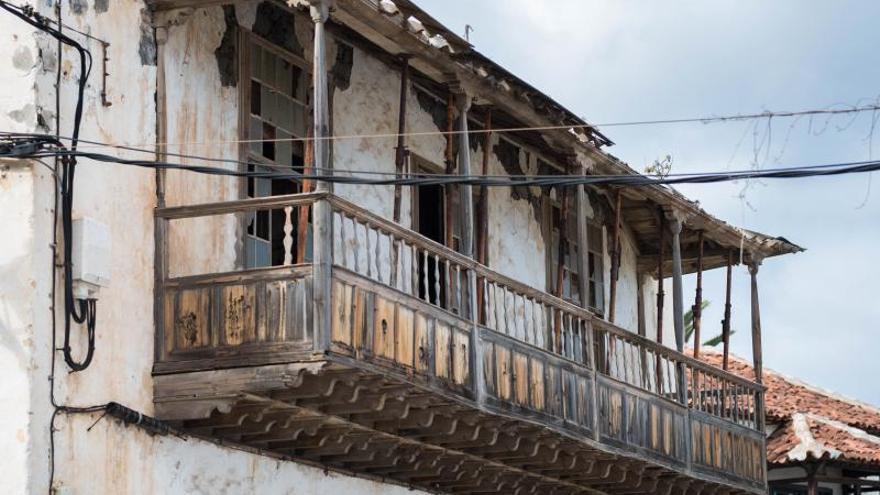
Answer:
(675, 355)
(250, 204)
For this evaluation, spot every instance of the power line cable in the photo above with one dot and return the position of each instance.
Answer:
(631, 180)
(394, 135)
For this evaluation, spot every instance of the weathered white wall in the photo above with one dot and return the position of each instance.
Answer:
(25, 265)
(200, 110)
(127, 460)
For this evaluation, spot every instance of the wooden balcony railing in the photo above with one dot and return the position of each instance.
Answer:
(507, 346)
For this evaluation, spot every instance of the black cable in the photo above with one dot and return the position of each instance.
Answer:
(631, 180)
(68, 161)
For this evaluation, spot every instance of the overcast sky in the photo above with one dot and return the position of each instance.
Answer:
(613, 61)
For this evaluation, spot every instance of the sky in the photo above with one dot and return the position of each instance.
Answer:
(626, 60)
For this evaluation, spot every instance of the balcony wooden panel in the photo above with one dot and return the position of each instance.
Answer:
(421, 379)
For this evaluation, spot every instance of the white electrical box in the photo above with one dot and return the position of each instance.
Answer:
(90, 261)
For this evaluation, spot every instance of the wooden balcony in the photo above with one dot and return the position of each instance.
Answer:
(393, 356)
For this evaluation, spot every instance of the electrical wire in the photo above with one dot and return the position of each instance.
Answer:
(80, 311)
(628, 180)
(566, 127)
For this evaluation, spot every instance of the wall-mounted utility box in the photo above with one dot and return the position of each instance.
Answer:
(91, 257)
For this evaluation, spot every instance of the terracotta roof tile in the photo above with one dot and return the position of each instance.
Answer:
(812, 436)
(786, 396)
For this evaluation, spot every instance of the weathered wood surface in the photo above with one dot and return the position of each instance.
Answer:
(234, 319)
(400, 307)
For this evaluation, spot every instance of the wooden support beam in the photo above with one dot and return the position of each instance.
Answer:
(483, 215)
(678, 305)
(401, 152)
(449, 156)
(677, 286)
(660, 294)
(697, 310)
(725, 323)
(323, 215)
(757, 353)
(615, 257)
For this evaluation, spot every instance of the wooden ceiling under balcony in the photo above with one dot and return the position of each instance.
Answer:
(369, 423)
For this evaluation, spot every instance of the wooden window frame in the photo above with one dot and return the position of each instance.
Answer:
(247, 43)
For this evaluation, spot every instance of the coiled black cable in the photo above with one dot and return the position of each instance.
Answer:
(87, 307)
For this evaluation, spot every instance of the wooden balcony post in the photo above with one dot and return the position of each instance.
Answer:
(323, 216)
(660, 292)
(756, 340)
(678, 302)
(677, 290)
(401, 151)
(725, 323)
(615, 257)
(697, 310)
(463, 101)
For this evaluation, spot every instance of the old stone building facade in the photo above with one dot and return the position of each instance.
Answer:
(298, 335)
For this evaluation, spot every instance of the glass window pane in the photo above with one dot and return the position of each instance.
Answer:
(267, 100)
(300, 120)
(285, 112)
(256, 61)
(268, 144)
(256, 133)
(298, 84)
(268, 68)
(284, 75)
(282, 149)
(256, 94)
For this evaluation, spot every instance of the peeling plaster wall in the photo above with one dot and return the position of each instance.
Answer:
(200, 109)
(25, 265)
(140, 464)
(627, 310)
(202, 106)
(515, 243)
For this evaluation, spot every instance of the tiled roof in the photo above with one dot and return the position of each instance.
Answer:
(812, 436)
(786, 397)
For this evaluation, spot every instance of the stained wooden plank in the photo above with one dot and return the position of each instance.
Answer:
(384, 320)
(341, 321)
(442, 352)
(461, 357)
(502, 371)
(238, 315)
(536, 384)
(298, 310)
(359, 318)
(521, 378)
(270, 311)
(404, 333)
(192, 319)
(169, 317)
(422, 337)
(488, 362)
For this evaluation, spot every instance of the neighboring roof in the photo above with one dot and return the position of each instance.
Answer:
(817, 437)
(786, 397)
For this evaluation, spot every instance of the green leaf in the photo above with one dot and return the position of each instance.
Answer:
(718, 339)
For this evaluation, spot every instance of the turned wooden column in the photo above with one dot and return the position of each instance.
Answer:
(323, 215)
(677, 287)
(675, 226)
(697, 310)
(757, 358)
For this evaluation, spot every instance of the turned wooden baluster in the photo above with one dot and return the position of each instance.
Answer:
(288, 238)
